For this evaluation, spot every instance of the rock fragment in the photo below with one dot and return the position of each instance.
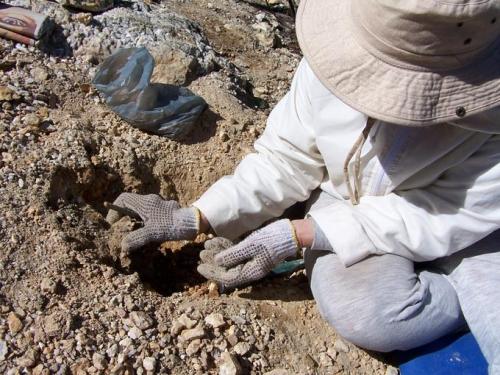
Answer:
(232, 335)
(277, 371)
(215, 320)
(31, 120)
(229, 365)
(173, 66)
(186, 321)
(28, 359)
(192, 334)
(99, 361)
(84, 18)
(180, 323)
(6, 94)
(340, 346)
(391, 371)
(141, 319)
(242, 348)
(53, 325)
(39, 74)
(39, 370)
(332, 353)
(325, 360)
(193, 347)
(149, 363)
(48, 285)
(3, 350)
(15, 324)
(134, 333)
(213, 289)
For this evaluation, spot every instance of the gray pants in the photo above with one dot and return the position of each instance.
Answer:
(388, 302)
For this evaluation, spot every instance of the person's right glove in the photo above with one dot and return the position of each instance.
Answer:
(163, 220)
(251, 259)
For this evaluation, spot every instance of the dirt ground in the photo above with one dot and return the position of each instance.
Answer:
(67, 306)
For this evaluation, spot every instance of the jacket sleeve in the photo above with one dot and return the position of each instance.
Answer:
(285, 167)
(457, 210)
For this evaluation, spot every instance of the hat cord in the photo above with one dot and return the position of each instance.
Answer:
(356, 149)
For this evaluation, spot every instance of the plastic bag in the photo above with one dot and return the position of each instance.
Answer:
(166, 110)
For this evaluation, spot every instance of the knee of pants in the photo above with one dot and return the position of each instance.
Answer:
(362, 314)
(372, 334)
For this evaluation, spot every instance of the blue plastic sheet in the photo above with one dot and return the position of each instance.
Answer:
(451, 355)
(167, 110)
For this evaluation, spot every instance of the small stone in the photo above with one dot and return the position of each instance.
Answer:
(213, 289)
(177, 327)
(31, 119)
(242, 348)
(134, 333)
(277, 371)
(324, 360)
(391, 371)
(266, 34)
(3, 350)
(108, 273)
(39, 370)
(232, 339)
(28, 359)
(53, 325)
(84, 18)
(215, 320)
(149, 363)
(192, 334)
(15, 324)
(340, 346)
(186, 321)
(180, 323)
(141, 319)
(125, 343)
(232, 335)
(6, 93)
(173, 66)
(222, 345)
(229, 365)
(112, 351)
(80, 367)
(193, 347)
(99, 361)
(39, 74)
(48, 285)
(332, 353)
(128, 301)
(162, 327)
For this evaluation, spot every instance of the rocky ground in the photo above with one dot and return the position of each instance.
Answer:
(67, 305)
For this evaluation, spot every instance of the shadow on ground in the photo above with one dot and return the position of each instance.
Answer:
(282, 288)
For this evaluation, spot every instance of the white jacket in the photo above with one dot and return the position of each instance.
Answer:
(426, 192)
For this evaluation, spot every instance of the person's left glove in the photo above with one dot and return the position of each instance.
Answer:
(254, 257)
(163, 220)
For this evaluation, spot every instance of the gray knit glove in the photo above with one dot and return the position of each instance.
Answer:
(251, 259)
(163, 220)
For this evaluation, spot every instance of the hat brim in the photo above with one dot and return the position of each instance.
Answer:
(384, 91)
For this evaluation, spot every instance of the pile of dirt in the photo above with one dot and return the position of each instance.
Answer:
(70, 303)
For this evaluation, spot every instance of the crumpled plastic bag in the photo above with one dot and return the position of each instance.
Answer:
(167, 110)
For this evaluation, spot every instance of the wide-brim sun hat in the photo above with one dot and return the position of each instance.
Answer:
(415, 62)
